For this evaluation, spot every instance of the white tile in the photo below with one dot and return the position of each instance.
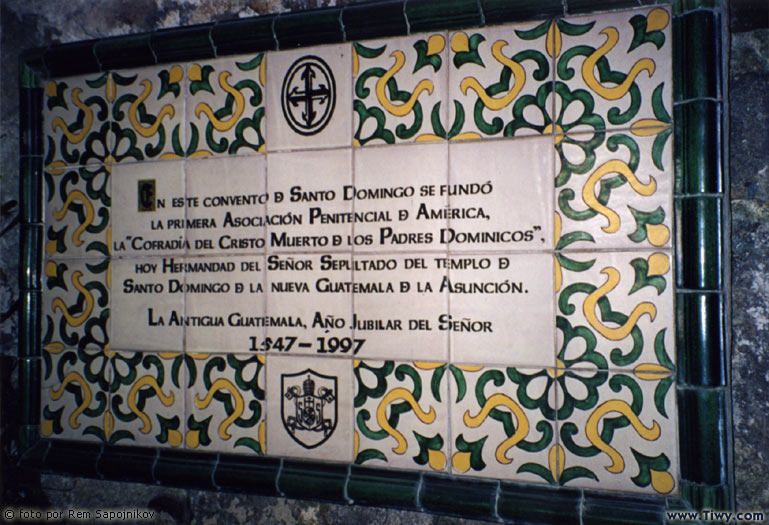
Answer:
(321, 117)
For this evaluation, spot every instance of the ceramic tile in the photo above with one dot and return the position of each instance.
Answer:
(77, 212)
(614, 190)
(314, 181)
(309, 303)
(413, 178)
(76, 120)
(500, 309)
(312, 90)
(618, 431)
(225, 301)
(613, 70)
(398, 304)
(401, 415)
(225, 106)
(506, 189)
(225, 403)
(503, 423)
(148, 113)
(226, 205)
(400, 89)
(310, 407)
(75, 395)
(147, 307)
(155, 224)
(615, 310)
(76, 304)
(147, 399)
(500, 81)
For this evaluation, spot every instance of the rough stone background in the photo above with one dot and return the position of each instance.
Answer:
(31, 23)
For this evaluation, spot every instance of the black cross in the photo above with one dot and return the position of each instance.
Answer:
(309, 94)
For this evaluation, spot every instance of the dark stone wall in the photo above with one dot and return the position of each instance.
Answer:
(25, 24)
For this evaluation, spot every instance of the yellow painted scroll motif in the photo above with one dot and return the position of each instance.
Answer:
(58, 302)
(401, 394)
(239, 101)
(613, 166)
(519, 79)
(133, 394)
(501, 400)
(58, 122)
(617, 405)
(400, 110)
(133, 111)
(89, 214)
(589, 65)
(224, 384)
(74, 377)
(619, 333)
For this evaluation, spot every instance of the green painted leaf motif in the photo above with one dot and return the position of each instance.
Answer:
(572, 265)
(572, 473)
(642, 278)
(574, 29)
(201, 427)
(646, 464)
(537, 470)
(568, 430)
(571, 238)
(252, 64)
(203, 84)
(241, 366)
(658, 147)
(584, 101)
(57, 281)
(587, 159)
(658, 104)
(124, 365)
(250, 443)
(365, 392)
(527, 102)
(176, 367)
(660, 392)
(177, 142)
(569, 382)
(643, 219)
(361, 420)
(620, 139)
(116, 436)
(475, 448)
(129, 136)
(166, 424)
(254, 123)
(55, 417)
(589, 355)
(423, 59)
(435, 382)
(368, 455)
(368, 52)
(166, 86)
(660, 352)
(496, 125)
(541, 402)
(58, 100)
(101, 80)
(533, 34)
(498, 379)
(379, 117)
(461, 382)
(641, 35)
(547, 433)
(471, 55)
(612, 424)
(426, 444)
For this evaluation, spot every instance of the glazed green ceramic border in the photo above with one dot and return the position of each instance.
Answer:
(701, 299)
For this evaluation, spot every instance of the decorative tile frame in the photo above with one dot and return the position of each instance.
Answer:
(701, 301)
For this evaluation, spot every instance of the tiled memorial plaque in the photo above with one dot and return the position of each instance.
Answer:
(448, 251)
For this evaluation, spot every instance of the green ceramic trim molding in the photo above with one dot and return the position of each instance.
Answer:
(703, 389)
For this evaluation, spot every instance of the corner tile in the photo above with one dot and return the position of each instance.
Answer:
(76, 120)
(613, 70)
(401, 415)
(619, 431)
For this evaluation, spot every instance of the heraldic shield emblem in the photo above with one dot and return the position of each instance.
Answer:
(309, 406)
